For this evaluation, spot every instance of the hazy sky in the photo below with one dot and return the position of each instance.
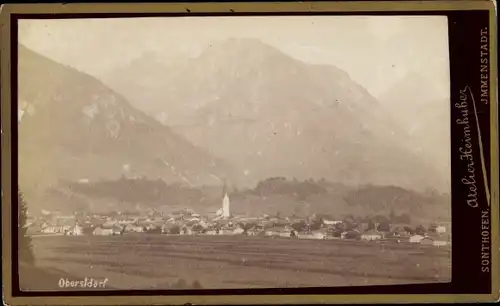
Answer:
(375, 50)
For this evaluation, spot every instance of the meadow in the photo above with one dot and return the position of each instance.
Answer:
(217, 262)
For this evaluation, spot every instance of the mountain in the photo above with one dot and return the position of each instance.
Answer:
(410, 100)
(144, 82)
(272, 115)
(73, 127)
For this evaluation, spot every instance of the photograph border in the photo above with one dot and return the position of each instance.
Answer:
(47, 11)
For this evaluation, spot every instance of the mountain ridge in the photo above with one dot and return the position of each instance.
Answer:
(75, 127)
(285, 117)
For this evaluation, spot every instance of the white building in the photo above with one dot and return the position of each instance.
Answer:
(331, 222)
(134, 228)
(440, 243)
(226, 213)
(440, 229)
(416, 238)
(103, 231)
(238, 231)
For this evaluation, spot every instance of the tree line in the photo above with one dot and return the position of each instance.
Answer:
(25, 249)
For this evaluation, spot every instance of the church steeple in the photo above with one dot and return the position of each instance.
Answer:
(226, 212)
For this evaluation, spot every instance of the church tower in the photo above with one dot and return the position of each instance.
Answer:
(226, 212)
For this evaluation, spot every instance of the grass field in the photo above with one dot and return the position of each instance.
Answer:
(155, 262)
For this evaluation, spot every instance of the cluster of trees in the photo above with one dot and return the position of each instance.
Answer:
(280, 185)
(371, 198)
(378, 222)
(352, 224)
(24, 240)
(385, 198)
(393, 218)
(141, 190)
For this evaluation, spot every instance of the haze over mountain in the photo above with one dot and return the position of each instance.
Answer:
(413, 98)
(73, 127)
(272, 115)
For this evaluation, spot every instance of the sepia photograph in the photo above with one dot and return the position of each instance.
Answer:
(224, 152)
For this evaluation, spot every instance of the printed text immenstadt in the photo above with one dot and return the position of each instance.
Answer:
(484, 67)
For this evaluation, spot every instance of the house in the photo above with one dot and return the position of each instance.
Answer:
(351, 235)
(126, 221)
(427, 241)
(251, 232)
(171, 220)
(203, 223)
(211, 232)
(415, 238)
(50, 229)
(133, 228)
(305, 236)
(110, 223)
(371, 236)
(149, 227)
(319, 234)
(107, 231)
(440, 229)
(278, 231)
(439, 243)
(117, 230)
(331, 238)
(238, 231)
(331, 222)
(442, 239)
(67, 218)
(285, 234)
(53, 230)
(100, 231)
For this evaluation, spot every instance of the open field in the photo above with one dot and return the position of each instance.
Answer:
(149, 262)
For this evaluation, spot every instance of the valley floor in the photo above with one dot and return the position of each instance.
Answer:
(226, 262)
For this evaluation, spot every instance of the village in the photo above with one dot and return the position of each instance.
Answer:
(188, 222)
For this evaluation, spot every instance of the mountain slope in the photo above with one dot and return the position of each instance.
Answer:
(408, 102)
(272, 115)
(75, 127)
